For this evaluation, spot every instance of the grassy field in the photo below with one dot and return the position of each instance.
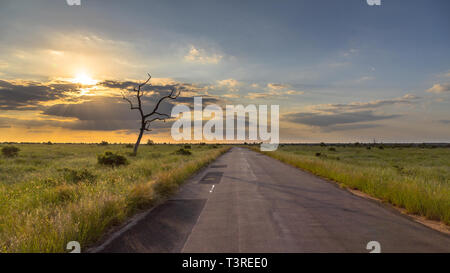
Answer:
(53, 194)
(414, 178)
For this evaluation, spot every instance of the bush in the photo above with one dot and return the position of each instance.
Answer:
(76, 176)
(10, 151)
(183, 152)
(368, 148)
(318, 154)
(150, 142)
(112, 159)
(331, 149)
(380, 147)
(187, 146)
(322, 144)
(104, 143)
(129, 146)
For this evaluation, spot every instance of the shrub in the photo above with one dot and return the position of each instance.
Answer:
(10, 151)
(104, 143)
(112, 159)
(76, 176)
(318, 154)
(214, 146)
(150, 142)
(49, 143)
(332, 149)
(183, 152)
(368, 148)
(380, 147)
(322, 144)
(187, 146)
(129, 146)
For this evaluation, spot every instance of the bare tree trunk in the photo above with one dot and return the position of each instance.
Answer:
(136, 146)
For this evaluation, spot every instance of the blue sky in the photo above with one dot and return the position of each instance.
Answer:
(340, 70)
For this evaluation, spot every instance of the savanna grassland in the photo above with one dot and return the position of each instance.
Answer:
(411, 177)
(53, 194)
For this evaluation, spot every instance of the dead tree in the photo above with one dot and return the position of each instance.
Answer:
(147, 119)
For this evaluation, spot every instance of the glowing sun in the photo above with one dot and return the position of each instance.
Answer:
(83, 78)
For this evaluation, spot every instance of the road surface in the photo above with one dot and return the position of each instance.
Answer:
(249, 202)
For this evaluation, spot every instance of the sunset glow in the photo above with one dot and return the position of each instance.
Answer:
(84, 79)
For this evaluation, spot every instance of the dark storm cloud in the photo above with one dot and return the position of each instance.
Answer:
(325, 119)
(27, 95)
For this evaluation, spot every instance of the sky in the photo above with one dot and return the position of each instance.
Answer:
(340, 70)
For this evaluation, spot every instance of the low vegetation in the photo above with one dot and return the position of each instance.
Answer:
(10, 151)
(416, 178)
(111, 159)
(183, 152)
(53, 194)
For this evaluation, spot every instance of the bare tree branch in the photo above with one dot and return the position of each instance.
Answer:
(132, 107)
(173, 95)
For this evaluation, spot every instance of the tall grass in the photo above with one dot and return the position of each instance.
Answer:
(53, 194)
(416, 179)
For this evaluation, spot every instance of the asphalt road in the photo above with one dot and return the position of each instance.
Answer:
(248, 202)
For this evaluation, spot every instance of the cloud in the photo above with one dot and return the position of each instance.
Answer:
(347, 116)
(278, 90)
(26, 95)
(99, 114)
(113, 113)
(230, 84)
(439, 88)
(231, 96)
(198, 55)
(277, 86)
(323, 119)
(353, 106)
(61, 54)
(63, 104)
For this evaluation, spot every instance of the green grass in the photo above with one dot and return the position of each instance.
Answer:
(414, 178)
(53, 194)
